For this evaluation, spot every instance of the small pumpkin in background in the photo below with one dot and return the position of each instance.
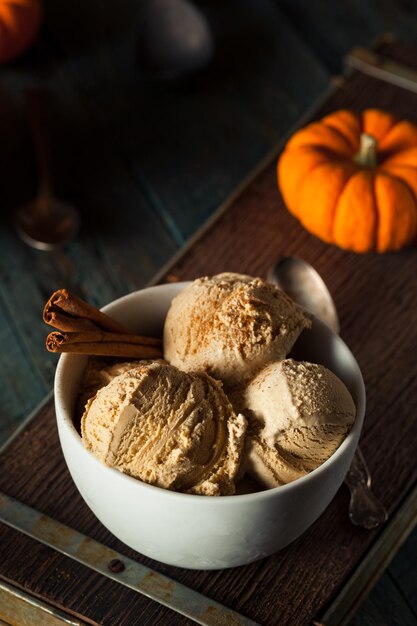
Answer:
(20, 21)
(351, 180)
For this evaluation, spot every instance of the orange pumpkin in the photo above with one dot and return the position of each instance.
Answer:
(20, 21)
(351, 179)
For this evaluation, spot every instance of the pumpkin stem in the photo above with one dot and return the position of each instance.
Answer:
(367, 155)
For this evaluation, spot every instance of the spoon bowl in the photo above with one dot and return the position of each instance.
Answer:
(305, 286)
(46, 225)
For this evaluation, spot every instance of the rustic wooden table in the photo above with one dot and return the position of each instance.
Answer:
(147, 163)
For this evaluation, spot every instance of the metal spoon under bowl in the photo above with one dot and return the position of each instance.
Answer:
(306, 287)
(45, 223)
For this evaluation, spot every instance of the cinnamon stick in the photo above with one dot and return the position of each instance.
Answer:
(104, 344)
(69, 313)
(63, 322)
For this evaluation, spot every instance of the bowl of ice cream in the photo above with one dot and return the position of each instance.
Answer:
(206, 451)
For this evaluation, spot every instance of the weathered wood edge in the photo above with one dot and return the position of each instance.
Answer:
(375, 562)
(97, 556)
(30, 610)
(374, 65)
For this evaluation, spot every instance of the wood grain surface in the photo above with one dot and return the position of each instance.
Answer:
(377, 300)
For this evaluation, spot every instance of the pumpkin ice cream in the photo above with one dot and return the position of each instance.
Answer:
(301, 413)
(98, 373)
(168, 428)
(230, 326)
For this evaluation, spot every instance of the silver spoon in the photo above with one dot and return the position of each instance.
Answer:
(306, 287)
(45, 223)
(174, 39)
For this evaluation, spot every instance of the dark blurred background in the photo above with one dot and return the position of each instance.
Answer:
(184, 143)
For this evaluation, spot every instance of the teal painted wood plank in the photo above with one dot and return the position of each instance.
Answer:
(385, 606)
(190, 144)
(22, 382)
(21, 385)
(121, 232)
(403, 570)
(118, 222)
(219, 128)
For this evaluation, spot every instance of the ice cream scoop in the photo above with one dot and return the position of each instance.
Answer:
(98, 373)
(168, 428)
(301, 413)
(231, 325)
(301, 281)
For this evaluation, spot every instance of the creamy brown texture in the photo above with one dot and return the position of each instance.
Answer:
(231, 325)
(177, 429)
(301, 413)
(98, 373)
(168, 428)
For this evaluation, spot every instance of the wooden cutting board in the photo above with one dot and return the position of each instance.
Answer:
(376, 297)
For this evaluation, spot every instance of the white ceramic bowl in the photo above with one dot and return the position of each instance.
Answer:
(203, 532)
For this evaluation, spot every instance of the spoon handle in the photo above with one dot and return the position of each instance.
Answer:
(35, 102)
(364, 508)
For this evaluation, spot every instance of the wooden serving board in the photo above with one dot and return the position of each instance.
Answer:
(376, 297)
